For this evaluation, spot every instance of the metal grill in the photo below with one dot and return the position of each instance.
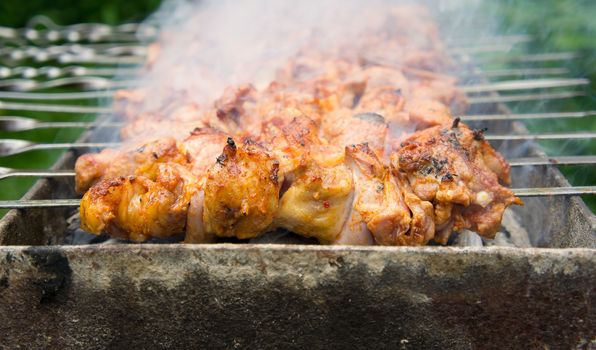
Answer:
(82, 60)
(280, 296)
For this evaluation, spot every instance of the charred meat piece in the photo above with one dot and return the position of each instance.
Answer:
(458, 172)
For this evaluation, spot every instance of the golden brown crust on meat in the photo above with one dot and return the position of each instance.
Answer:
(241, 192)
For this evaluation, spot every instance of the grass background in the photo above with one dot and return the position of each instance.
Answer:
(557, 25)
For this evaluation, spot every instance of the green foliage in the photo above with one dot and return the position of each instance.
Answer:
(559, 25)
(16, 13)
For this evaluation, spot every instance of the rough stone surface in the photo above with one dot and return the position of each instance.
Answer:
(315, 297)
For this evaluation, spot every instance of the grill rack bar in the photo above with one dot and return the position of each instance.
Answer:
(514, 162)
(519, 192)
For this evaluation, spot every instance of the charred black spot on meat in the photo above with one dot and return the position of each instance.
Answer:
(231, 143)
(479, 134)
(447, 177)
(455, 123)
(274, 172)
(221, 159)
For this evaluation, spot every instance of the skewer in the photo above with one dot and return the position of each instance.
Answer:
(94, 32)
(8, 172)
(471, 41)
(559, 160)
(513, 72)
(98, 87)
(53, 72)
(525, 116)
(57, 96)
(49, 108)
(9, 147)
(538, 137)
(523, 85)
(39, 203)
(529, 58)
(481, 48)
(10, 123)
(554, 191)
(87, 84)
(514, 162)
(14, 124)
(540, 96)
(519, 192)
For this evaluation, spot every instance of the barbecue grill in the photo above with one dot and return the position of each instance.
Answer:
(533, 286)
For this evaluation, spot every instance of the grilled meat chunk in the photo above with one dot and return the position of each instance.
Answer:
(241, 192)
(378, 211)
(453, 168)
(146, 192)
(137, 207)
(109, 163)
(318, 201)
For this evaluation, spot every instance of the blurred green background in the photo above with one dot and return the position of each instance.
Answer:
(557, 25)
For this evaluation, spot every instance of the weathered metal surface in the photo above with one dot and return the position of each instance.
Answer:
(268, 296)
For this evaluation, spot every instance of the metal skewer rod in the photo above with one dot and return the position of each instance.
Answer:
(49, 108)
(109, 71)
(559, 160)
(108, 88)
(537, 137)
(514, 162)
(7, 173)
(12, 123)
(529, 84)
(528, 116)
(53, 72)
(519, 192)
(541, 96)
(554, 191)
(39, 203)
(496, 39)
(540, 57)
(57, 96)
(10, 147)
(513, 72)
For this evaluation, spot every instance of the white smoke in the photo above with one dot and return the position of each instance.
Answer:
(208, 45)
